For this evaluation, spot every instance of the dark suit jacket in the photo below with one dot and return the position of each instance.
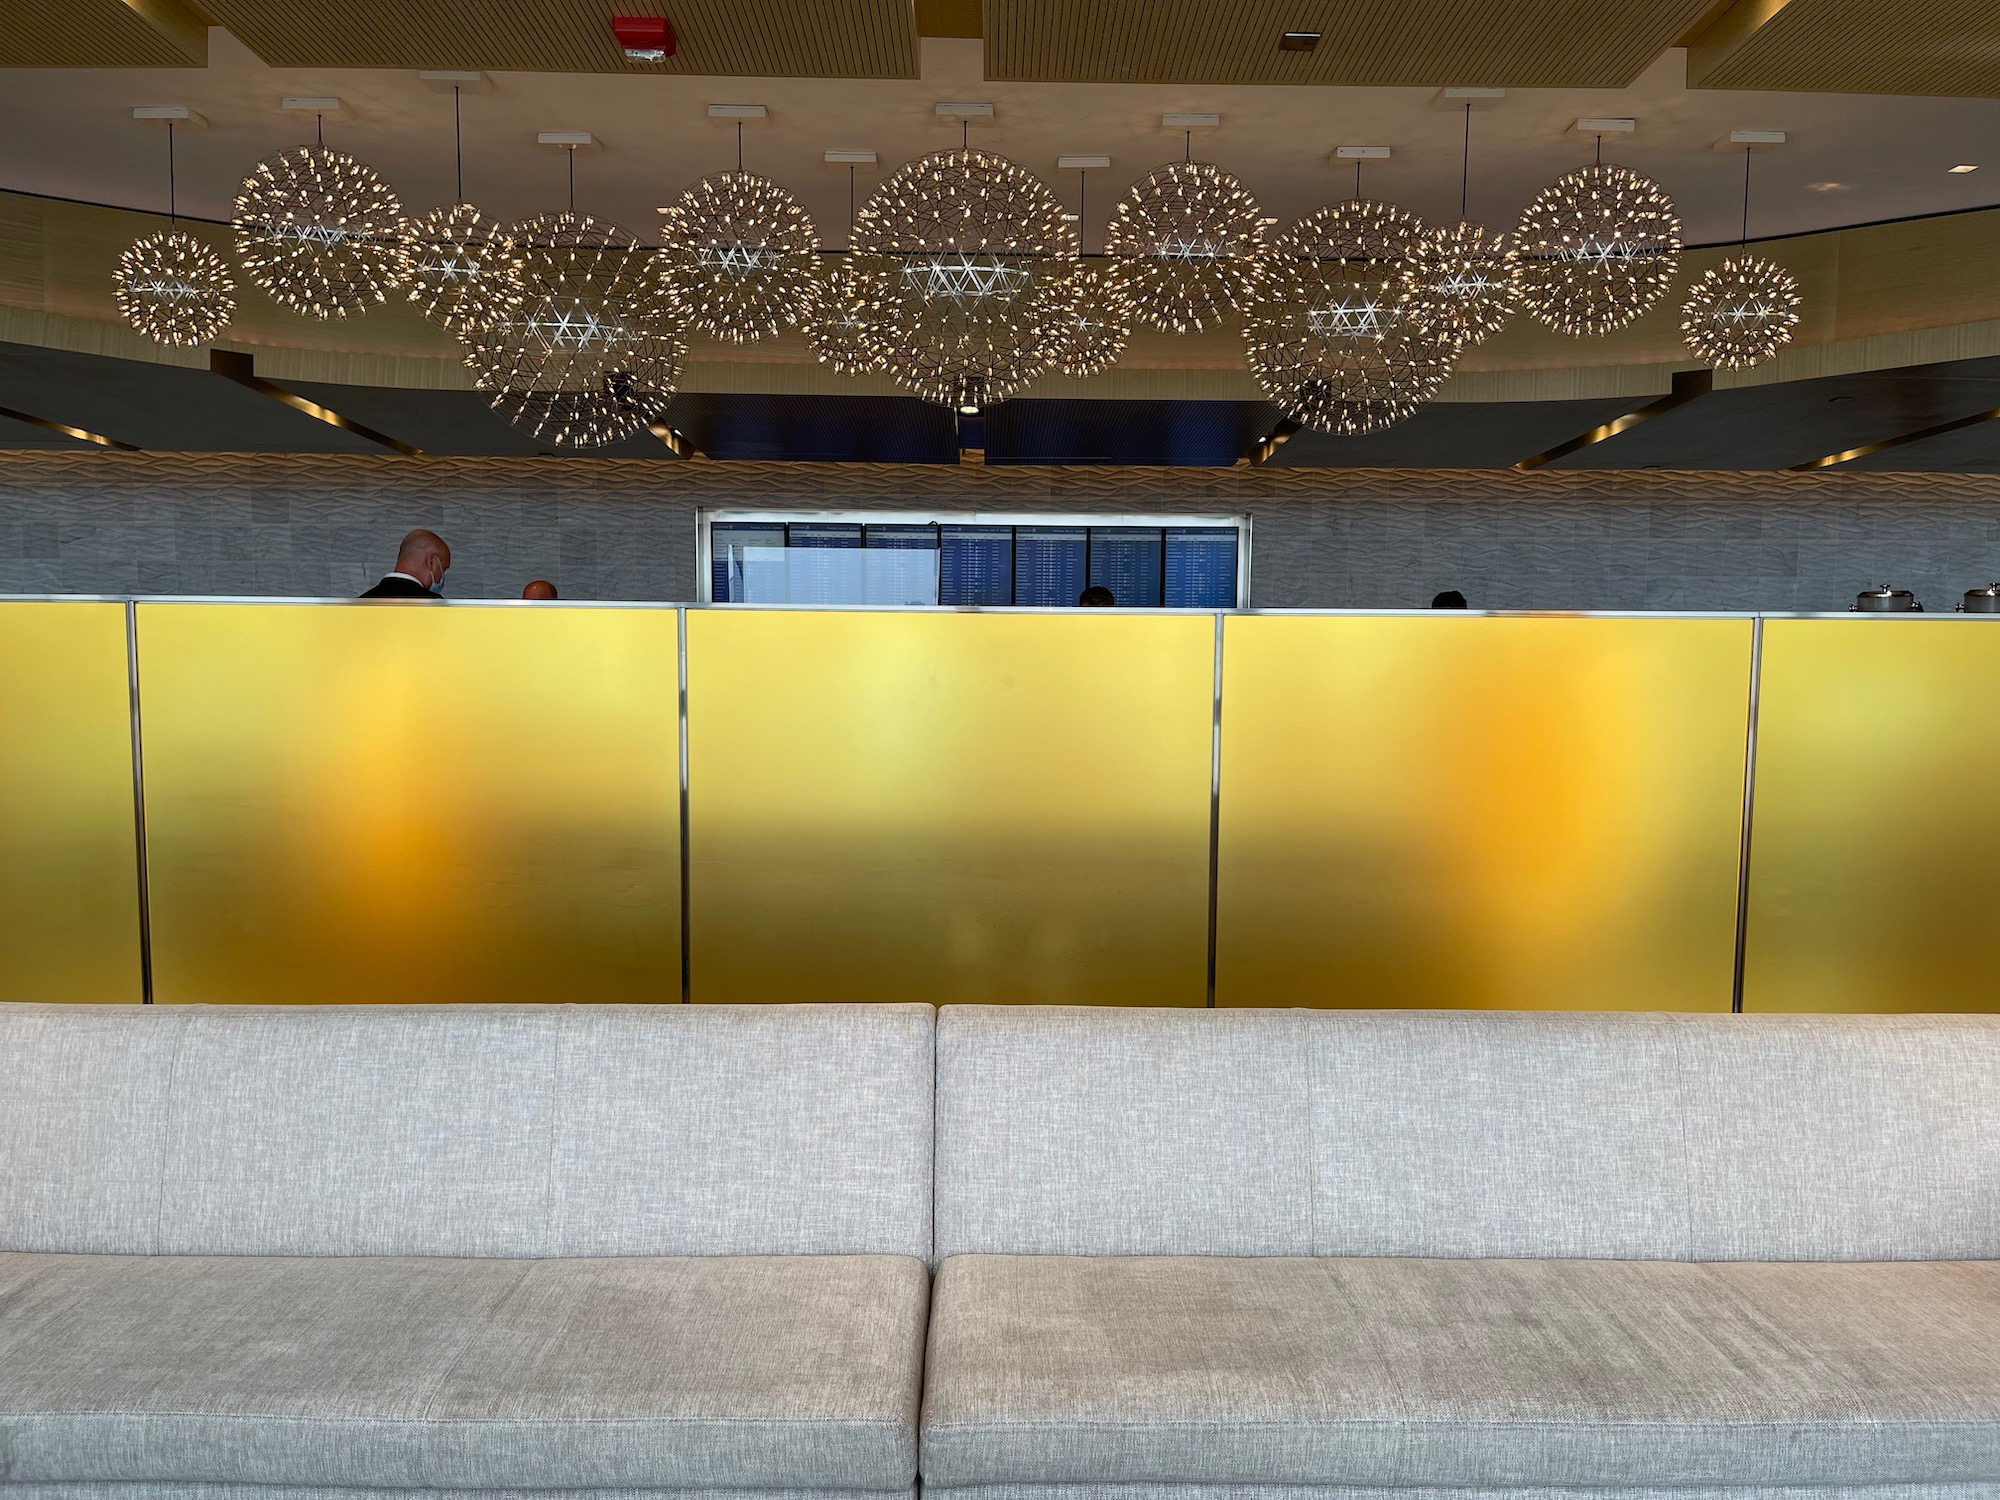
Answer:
(400, 588)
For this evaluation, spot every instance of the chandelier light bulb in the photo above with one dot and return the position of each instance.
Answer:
(463, 268)
(174, 289)
(320, 233)
(590, 355)
(1188, 235)
(742, 252)
(1598, 248)
(1740, 313)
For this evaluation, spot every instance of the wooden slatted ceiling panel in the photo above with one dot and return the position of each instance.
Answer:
(1937, 47)
(100, 34)
(1422, 43)
(756, 38)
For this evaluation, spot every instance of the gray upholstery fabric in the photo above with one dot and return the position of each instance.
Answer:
(466, 1130)
(1109, 1131)
(1358, 1492)
(1435, 1133)
(429, 1373)
(1461, 1373)
(314, 1492)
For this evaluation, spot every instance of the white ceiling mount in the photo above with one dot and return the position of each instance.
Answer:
(1360, 153)
(1606, 125)
(1750, 140)
(960, 110)
(444, 80)
(316, 104)
(1081, 163)
(1189, 121)
(737, 112)
(565, 138)
(851, 158)
(1477, 98)
(179, 114)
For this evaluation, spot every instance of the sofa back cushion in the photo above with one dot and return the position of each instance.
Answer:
(466, 1130)
(1442, 1133)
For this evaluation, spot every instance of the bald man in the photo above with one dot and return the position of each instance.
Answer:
(420, 568)
(541, 588)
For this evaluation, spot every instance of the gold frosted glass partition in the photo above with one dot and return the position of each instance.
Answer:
(411, 803)
(1542, 813)
(1874, 882)
(949, 807)
(69, 866)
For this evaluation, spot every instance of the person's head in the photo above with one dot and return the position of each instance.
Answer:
(1449, 599)
(541, 588)
(1097, 594)
(425, 557)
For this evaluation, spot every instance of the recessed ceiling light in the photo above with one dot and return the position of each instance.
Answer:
(1966, 166)
(1827, 187)
(1298, 41)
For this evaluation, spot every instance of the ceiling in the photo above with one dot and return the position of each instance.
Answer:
(1849, 159)
(165, 408)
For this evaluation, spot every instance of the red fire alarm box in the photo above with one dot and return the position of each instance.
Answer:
(644, 38)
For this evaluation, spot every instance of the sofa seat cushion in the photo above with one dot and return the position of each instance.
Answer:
(794, 1372)
(1461, 1373)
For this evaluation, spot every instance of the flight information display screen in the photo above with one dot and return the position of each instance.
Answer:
(1039, 561)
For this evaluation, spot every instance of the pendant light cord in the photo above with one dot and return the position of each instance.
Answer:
(1746, 197)
(319, 125)
(739, 145)
(965, 135)
(1357, 179)
(572, 179)
(1600, 150)
(1187, 147)
(1465, 165)
(1079, 210)
(458, 142)
(173, 192)
(851, 169)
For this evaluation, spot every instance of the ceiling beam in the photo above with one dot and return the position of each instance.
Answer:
(1689, 385)
(1726, 34)
(1833, 459)
(233, 364)
(81, 434)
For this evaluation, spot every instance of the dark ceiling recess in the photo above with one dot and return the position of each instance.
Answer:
(817, 429)
(1298, 41)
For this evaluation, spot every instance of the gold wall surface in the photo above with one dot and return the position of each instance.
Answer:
(949, 807)
(1873, 882)
(69, 865)
(412, 802)
(1535, 813)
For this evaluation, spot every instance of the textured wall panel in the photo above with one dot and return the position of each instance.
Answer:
(1424, 43)
(625, 529)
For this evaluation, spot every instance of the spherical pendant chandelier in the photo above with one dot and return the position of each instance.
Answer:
(171, 287)
(1330, 338)
(590, 355)
(320, 233)
(174, 290)
(1598, 247)
(960, 272)
(1095, 324)
(463, 268)
(742, 250)
(1188, 234)
(1742, 312)
(1462, 283)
